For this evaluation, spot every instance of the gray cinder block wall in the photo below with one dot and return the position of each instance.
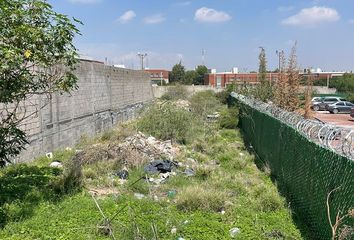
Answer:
(106, 95)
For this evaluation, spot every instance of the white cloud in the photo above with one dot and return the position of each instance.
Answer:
(154, 19)
(311, 17)
(285, 8)
(127, 16)
(186, 3)
(210, 15)
(85, 1)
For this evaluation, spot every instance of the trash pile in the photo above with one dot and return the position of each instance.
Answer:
(184, 104)
(148, 147)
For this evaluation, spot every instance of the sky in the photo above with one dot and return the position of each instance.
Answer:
(229, 32)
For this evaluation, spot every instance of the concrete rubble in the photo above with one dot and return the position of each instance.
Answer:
(149, 147)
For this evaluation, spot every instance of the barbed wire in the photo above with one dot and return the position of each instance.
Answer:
(335, 138)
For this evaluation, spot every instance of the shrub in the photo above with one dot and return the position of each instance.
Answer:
(175, 93)
(169, 122)
(229, 118)
(204, 103)
(72, 178)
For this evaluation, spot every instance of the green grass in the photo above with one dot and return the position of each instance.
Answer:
(226, 179)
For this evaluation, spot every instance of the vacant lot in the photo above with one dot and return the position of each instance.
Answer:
(214, 191)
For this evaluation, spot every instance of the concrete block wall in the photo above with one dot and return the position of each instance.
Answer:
(106, 96)
(159, 91)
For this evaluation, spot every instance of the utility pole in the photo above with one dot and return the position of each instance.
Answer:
(203, 56)
(142, 56)
(280, 54)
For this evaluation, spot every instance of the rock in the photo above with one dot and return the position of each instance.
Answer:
(68, 149)
(234, 232)
(241, 154)
(174, 230)
(56, 164)
(139, 195)
(189, 172)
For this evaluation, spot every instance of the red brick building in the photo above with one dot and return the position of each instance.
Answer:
(157, 76)
(220, 80)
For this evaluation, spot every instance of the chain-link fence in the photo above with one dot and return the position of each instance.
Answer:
(307, 158)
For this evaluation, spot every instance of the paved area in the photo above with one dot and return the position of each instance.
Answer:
(343, 120)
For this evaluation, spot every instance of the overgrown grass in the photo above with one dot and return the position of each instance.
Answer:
(169, 122)
(226, 191)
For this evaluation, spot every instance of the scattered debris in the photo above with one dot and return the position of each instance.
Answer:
(184, 104)
(213, 117)
(234, 232)
(159, 166)
(189, 172)
(123, 174)
(241, 154)
(148, 147)
(139, 196)
(68, 149)
(56, 164)
(171, 193)
(49, 155)
(162, 178)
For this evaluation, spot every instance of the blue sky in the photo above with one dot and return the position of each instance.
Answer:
(230, 31)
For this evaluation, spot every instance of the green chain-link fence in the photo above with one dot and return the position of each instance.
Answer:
(305, 171)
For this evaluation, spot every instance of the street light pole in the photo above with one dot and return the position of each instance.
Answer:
(142, 56)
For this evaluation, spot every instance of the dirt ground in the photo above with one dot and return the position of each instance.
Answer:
(343, 120)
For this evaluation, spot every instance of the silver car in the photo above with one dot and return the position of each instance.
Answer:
(322, 104)
(340, 107)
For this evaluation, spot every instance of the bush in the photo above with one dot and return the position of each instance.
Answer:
(169, 122)
(204, 103)
(229, 118)
(72, 178)
(205, 198)
(175, 93)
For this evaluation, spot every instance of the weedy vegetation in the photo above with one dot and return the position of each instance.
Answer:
(87, 200)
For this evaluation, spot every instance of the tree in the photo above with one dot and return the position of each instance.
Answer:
(262, 70)
(201, 70)
(344, 84)
(37, 57)
(293, 80)
(281, 85)
(190, 77)
(308, 95)
(264, 90)
(178, 73)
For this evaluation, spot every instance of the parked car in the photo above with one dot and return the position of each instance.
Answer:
(340, 107)
(316, 99)
(352, 113)
(322, 104)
